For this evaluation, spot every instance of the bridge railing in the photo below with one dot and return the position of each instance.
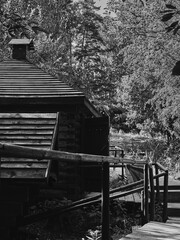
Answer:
(145, 185)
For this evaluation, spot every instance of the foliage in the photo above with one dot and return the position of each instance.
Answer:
(122, 61)
(170, 13)
(148, 91)
(93, 235)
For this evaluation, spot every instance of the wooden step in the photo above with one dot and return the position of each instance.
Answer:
(173, 220)
(155, 231)
(173, 209)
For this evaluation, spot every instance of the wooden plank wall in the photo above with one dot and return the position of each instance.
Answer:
(30, 130)
(69, 139)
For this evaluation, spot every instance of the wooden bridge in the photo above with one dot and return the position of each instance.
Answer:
(157, 231)
(55, 129)
(150, 186)
(169, 229)
(153, 230)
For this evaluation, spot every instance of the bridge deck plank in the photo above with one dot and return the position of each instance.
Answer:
(156, 230)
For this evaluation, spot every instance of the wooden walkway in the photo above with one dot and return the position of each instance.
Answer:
(157, 231)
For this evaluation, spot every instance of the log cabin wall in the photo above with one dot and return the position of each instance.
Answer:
(29, 130)
(25, 88)
(69, 139)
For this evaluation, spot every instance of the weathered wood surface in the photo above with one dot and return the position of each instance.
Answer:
(135, 197)
(30, 130)
(156, 231)
(40, 154)
(23, 79)
(23, 85)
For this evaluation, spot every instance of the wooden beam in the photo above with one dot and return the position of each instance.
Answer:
(105, 201)
(157, 183)
(91, 108)
(7, 150)
(152, 195)
(165, 197)
(146, 193)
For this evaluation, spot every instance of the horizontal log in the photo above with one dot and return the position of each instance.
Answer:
(30, 81)
(26, 137)
(20, 160)
(34, 145)
(25, 127)
(28, 142)
(23, 173)
(26, 152)
(27, 132)
(39, 94)
(28, 121)
(28, 115)
(14, 165)
(34, 88)
(26, 77)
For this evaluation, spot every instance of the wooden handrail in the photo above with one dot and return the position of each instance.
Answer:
(159, 175)
(9, 150)
(114, 193)
(151, 178)
(76, 205)
(127, 186)
(161, 167)
(123, 194)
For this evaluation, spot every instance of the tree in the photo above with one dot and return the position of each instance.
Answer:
(148, 53)
(91, 66)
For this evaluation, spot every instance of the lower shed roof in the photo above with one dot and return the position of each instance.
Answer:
(24, 84)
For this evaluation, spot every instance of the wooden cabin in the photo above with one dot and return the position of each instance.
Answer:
(41, 111)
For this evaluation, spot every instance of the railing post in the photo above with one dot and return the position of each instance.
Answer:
(165, 197)
(152, 197)
(122, 155)
(105, 201)
(157, 183)
(146, 193)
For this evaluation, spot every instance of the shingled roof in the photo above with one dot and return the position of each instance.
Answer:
(23, 84)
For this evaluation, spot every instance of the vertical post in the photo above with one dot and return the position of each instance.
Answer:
(105, 201)
(146, 204)
(152, 197)
(165, 197)
(115, 152)
(122, 155)
(115, 155)
(157, 183)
